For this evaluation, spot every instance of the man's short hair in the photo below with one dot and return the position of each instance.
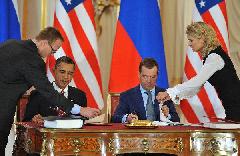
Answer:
(64, 59)
(148, 63)
(50, 33)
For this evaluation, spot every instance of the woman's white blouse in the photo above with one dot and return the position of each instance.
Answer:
(213, 63)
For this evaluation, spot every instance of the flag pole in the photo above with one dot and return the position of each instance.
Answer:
(44, 7)
(24, 20)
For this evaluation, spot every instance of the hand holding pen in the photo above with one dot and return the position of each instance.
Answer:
(162, 97)
(132, 116)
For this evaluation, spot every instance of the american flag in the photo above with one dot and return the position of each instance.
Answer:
(206, 105)
(75, 20)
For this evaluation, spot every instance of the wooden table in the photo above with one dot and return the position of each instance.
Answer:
(118, 139)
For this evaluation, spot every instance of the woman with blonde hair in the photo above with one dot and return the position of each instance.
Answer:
(217, 69)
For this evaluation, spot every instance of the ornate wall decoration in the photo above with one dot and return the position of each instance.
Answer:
(102, 6)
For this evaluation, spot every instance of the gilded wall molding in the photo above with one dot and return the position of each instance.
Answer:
(100, 7)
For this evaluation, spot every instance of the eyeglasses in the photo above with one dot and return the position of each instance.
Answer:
(53, 50)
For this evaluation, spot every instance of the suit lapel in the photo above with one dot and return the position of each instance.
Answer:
(70, 94)
(156, 109)
(139, 105)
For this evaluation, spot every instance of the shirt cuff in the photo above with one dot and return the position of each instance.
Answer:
(172, 92)
(124, 118)
(169, 117)
(76, 109)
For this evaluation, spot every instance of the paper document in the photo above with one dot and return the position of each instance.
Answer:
(97, 119)
(160, 123)
(63, 123)
(221, 125)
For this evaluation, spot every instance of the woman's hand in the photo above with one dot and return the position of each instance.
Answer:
(162, 97)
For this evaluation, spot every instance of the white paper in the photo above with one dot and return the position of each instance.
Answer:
(162, 116)
(97, 119)
(221, 125)
(71, 123)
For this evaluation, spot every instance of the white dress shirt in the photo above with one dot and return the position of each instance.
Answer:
(213, 63)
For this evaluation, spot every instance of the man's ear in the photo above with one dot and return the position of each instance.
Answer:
(45, 41)
(42, 43)
(54, 72)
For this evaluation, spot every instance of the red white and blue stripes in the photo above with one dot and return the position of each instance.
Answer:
(75, 21)
(206, 105)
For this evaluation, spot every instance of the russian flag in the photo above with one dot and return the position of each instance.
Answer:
(9, 27)
(138, 35)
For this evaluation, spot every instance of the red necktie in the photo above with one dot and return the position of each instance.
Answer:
(62, 92)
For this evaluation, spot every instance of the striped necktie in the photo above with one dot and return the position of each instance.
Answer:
(62, 92)
(150, 107)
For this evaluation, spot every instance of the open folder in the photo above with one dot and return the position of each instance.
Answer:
(97, 119)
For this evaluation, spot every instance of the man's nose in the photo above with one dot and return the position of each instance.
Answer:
(149, 79)
(65, 76)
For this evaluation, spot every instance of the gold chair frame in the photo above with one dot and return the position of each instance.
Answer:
(112, 102)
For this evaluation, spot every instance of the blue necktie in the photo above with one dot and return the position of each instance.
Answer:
(150, 107)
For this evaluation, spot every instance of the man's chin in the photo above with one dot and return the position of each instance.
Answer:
(63, 86)
(148, 88)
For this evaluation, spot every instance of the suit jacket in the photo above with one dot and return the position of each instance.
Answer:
(21, 67)
(39, 105)
(132, 101)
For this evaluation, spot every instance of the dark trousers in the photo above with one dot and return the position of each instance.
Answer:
(6, 121)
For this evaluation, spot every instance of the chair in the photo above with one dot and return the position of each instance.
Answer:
(22, 104)
(21, 107)
(112, 102)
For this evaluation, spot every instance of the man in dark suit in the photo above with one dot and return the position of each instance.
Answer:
(23, 66)
(63, 72)
(134, 103)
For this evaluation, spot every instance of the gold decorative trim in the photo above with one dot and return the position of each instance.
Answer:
(77, 144)
(44, 145)
(44, 6)
(180, 143)
(24, 19)
(146, 145)
(100, 7)
(29, 142)
(110, 144)
(82, 141)
(216, 144)
(109, 105)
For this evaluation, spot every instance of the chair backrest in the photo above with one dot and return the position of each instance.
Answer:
(112, 102)
(21, 107)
